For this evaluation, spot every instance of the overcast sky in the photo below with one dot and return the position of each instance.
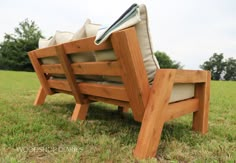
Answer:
(189, 31)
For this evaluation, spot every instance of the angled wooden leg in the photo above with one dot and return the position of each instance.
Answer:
(153, 120)
(80, 112)
(200, 118)
(41, 96)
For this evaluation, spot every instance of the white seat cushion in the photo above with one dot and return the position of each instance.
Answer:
(84, 56)
(62, 37)
(43, 43)
(59, 38)
(143, 35)
(182, 92)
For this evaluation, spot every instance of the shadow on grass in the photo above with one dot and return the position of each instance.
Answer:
(109, 115)
(104, 121)
(96, 111)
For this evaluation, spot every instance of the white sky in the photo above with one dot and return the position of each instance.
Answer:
(189, 31)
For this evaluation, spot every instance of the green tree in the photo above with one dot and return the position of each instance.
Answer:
(230, 69)
(220, 69)
(166, 62)
(14, 48)
(216, 65)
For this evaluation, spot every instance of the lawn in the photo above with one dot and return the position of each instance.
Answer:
(45, 133)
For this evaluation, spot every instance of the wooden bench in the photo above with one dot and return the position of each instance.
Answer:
(149, 102)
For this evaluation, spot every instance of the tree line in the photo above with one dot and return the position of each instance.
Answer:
(220, 69)
(14, 48)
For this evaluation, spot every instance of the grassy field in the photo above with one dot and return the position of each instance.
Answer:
(45, 134)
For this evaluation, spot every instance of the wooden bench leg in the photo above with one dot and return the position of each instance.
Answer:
(154, 116)
(122, 109)
(41, 96)
(200, 118)
(80, 112)
(149, 138)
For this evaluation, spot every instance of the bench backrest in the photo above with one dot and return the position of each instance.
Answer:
(129, 66)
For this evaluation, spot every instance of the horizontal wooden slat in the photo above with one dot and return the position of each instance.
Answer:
(97, 68)
(53, 69)
(190, 76)
(59, 84)
(85, 45)
(110, 101)
(45, 52)
(178, 109)
(106, 91)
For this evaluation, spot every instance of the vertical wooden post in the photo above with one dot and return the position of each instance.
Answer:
(154, 116)
(65, 62)
(134, 76)
(41, 96)
(200, 118)
(81, 107)
(123, 109)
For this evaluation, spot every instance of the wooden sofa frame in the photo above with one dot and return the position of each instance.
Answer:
(149, 103)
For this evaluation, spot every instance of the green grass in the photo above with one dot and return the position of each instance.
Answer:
(45, 134)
